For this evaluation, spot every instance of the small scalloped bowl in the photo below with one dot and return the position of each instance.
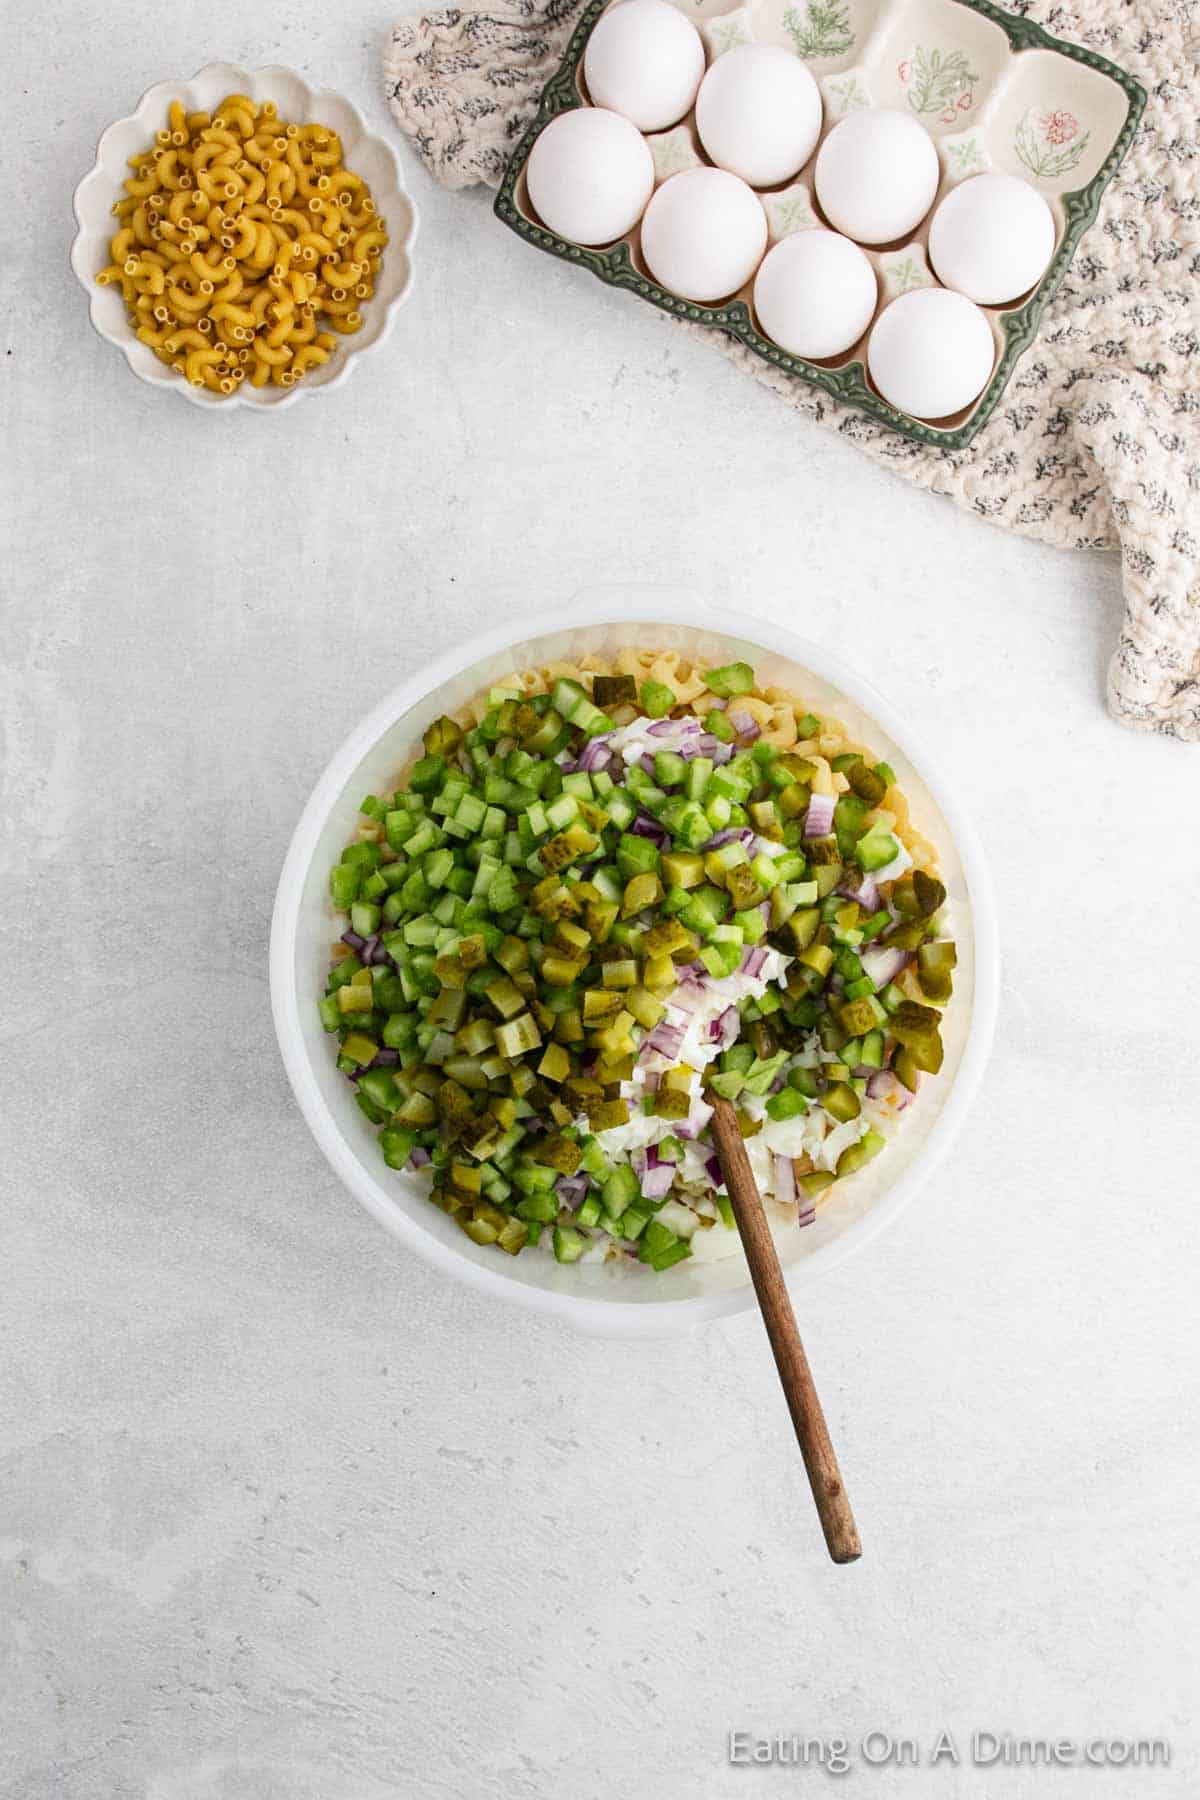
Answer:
(369, 156)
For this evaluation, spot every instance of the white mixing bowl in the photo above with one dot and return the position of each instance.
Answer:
(610, 1299)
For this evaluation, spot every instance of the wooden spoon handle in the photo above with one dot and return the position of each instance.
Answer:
(812, 1433)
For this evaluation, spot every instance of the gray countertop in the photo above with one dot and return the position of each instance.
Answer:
(284, 1515)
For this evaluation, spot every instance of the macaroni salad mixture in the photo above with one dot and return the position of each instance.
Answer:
(603, 893)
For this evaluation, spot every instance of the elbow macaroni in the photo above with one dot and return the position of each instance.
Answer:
(244, 247)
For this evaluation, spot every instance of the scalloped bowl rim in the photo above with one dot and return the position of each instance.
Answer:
(624, 604)
(156, 374)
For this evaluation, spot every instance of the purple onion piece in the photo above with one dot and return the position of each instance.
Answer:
(785, 1180)
(353, 940)
(745, 724)
(645, 826)
(882, 962)
(419, 1158)
(657, 1182)
(818, 820)
(384, 1059)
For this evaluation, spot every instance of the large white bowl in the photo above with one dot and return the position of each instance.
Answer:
(369, 156)
(609, 1299)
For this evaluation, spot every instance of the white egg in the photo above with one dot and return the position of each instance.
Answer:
(876, 175)
(814, 293)
(930, 353)
(590, 175)
(703, 234)
(991, 238)
(644, 60)
(758, 113)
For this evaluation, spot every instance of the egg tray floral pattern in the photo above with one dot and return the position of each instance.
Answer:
(1096, 445)
(821, 31)
(941, 82)
(1050, 144)
(616, 266)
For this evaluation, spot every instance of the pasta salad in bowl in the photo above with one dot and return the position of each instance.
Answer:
(589, 881)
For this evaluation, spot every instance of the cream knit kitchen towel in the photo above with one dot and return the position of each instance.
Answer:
(1096, 443)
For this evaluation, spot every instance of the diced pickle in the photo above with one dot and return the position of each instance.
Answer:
(858, 1017)
(555, 1064)
(667, 938)
(516, 1036)
(855, 1156)
(513, 1237)
(443, 737)
(821, 850)
(561, 1153)
(866, 783)
(841, 1101)
(671, 1104)
(600, 1004)
(916, 1027)
(930, 893)
(743, 887)
(606, 1115)
(640, 892)
(682, 868)
(614, 690)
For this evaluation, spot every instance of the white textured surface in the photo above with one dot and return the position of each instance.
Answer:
(284, 1517)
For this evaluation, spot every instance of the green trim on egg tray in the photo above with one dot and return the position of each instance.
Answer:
(615, 266)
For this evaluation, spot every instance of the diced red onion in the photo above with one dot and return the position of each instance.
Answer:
(883, 1085)
(778, 1081)
(807, 1215)
(571, 1189)
(720, 752)
(353, 940)
(657, 1182)
(785, 1180)
(724, 1028)
(384, 1059)
(689, 995)
(595, 755)
(882, 962)
(741, 834)
(373, 951)
(713, 1170)
(666, 1039)
(745, 724)
(818, 820)
(662, 728)
(420, 1156)
(865, 890)
(645, 826)
(753, 960)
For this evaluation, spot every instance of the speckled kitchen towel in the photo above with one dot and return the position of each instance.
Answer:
(1096, 443)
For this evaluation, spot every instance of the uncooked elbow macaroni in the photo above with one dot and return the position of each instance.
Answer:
(244, 249)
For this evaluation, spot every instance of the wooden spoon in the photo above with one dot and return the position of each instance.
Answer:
(820, 1459)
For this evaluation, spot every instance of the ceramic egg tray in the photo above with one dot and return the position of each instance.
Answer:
(995, 92)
